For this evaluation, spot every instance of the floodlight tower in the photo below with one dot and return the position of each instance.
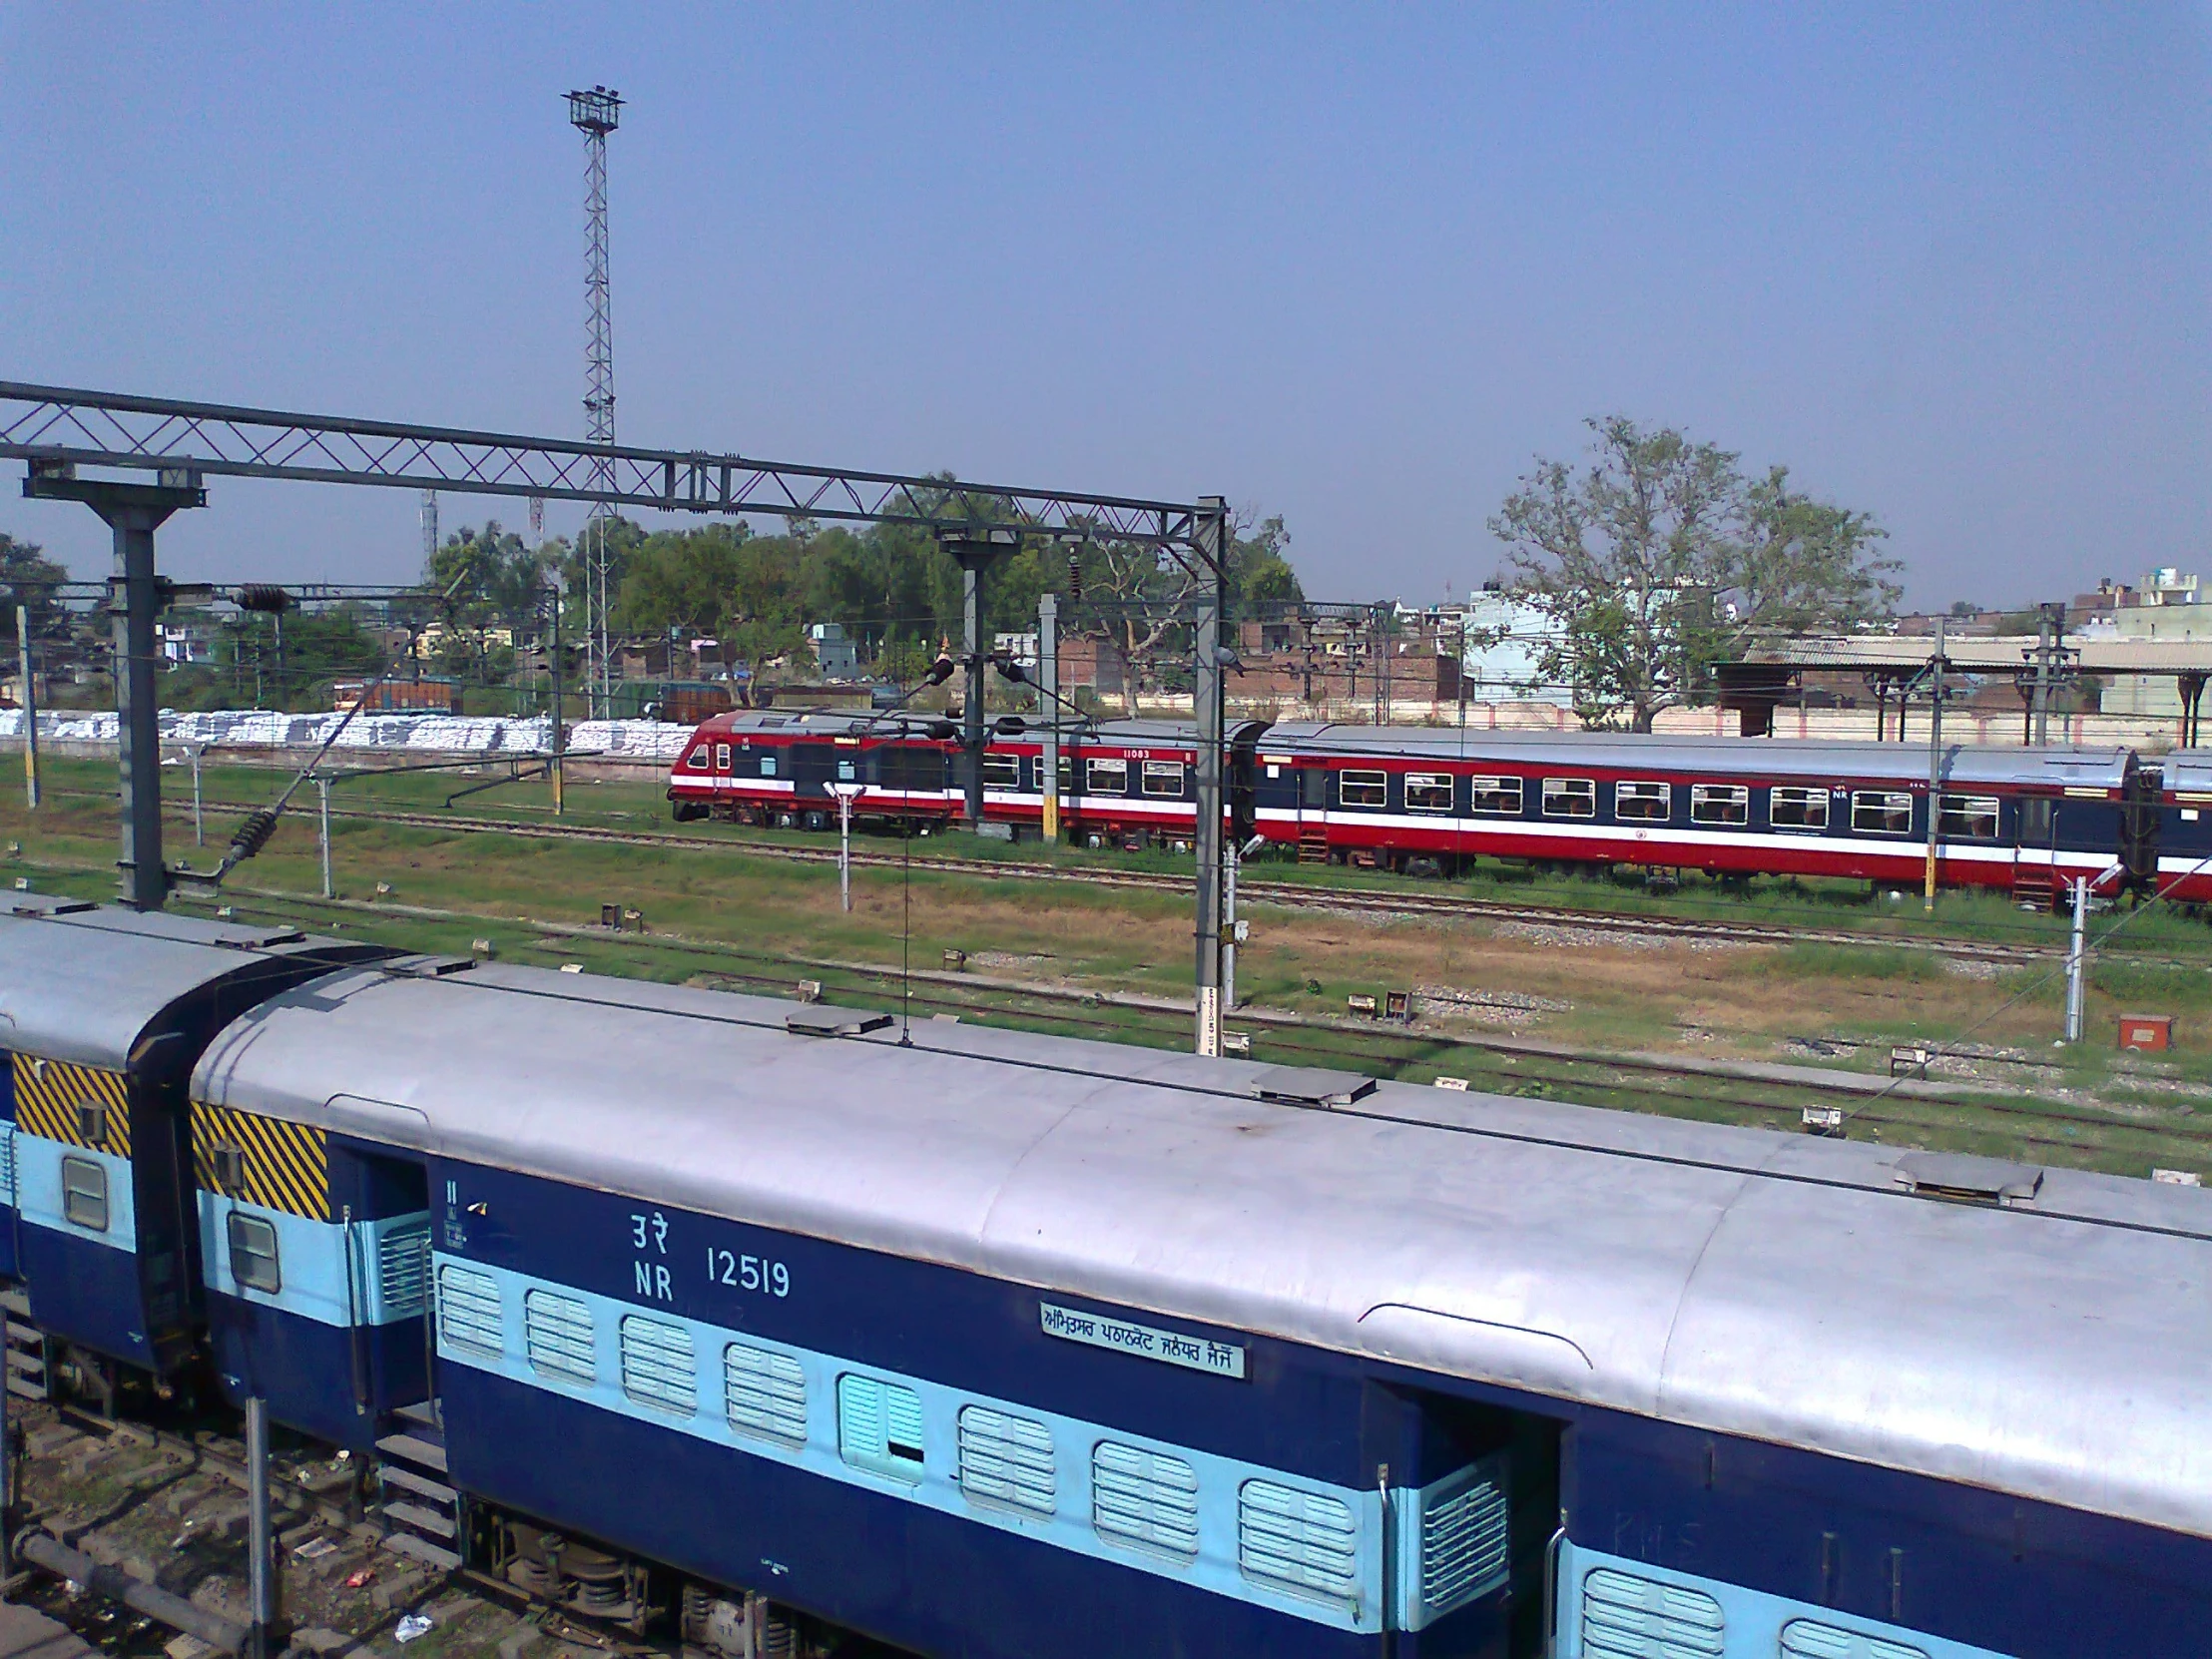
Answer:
(595, 114)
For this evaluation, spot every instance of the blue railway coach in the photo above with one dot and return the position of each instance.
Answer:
(103, 1012)
(999, 1345)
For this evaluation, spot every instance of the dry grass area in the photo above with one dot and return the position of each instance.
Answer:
(1594, 989)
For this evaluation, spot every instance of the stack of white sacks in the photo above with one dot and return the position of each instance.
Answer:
(638, 740)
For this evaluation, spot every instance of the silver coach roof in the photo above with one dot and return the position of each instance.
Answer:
(1778, 1287)
(2053, 767)
(2188, 771)
(80, 982)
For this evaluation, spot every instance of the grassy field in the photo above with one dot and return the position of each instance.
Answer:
(1483, 986)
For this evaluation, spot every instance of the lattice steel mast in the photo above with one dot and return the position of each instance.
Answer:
(595, 114)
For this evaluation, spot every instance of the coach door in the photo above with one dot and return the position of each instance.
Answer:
(1312, 814)
(813, 765)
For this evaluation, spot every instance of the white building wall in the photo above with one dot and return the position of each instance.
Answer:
(1505, 671)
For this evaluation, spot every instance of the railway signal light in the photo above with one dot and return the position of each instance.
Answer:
(1075, 579)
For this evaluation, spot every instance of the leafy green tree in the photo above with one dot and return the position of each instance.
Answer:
(479, 581)
(1802, 564)
(27, 578)
(280, 662)
(1260, 574)
(683, 580)
(1657, 558)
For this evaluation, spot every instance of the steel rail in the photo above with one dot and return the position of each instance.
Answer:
(1309, 1035)
(1296, 896)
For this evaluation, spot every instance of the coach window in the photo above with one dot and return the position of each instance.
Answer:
(85, 1193)
(253, 1252)
(697, 760)
(768, 765)
(1570, 798)
(1790, 807)
(1499, 797)
(879, 1426)
(1646, 800)
(1428, 792)
(1144, 1500)
(1006, 1461)
(722, 757)
(1363, 789)
(1880, 813)
(1970, 818)
(1067, 775)
(1164, 779)
(1106, 777)
(1002, 771)
(1720, 803)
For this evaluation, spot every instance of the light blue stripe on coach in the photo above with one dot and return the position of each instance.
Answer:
(38, 1177)
(466, 1312)
(314, 1280)
(1610, 1606)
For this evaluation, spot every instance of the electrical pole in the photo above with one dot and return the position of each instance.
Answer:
(137, 596)
(430, 530)
(28, 701)
(595, 114)
(1210, 544)
(556, 593)
(1048, 680)
(972, 553)
(2050, 628)
(2075, 954)
(1935, 667)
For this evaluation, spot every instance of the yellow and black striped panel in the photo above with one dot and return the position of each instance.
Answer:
(48, 1093)
(282, 1166)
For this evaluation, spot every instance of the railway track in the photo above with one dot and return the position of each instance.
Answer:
(1640, 1082)
(1253, 890)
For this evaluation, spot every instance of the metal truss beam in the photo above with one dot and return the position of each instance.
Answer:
(98, 428)
(57, 429)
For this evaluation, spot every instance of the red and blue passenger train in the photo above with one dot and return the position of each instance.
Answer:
(1435, 799)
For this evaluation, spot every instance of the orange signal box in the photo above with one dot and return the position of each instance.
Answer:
(2152, 1034)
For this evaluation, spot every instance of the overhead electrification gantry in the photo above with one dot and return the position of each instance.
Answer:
(60, 430)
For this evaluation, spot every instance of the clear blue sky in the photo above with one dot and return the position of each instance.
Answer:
(1353, 265)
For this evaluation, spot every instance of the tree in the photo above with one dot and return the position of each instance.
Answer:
(284, 662)
(27, 578)
(1802, 564)
(1657, 558)
(1260, 572)
(482, 581)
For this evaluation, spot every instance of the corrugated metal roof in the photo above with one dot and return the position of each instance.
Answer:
(2006, 654)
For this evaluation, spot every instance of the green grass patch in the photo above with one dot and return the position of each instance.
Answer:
(1817, 960)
